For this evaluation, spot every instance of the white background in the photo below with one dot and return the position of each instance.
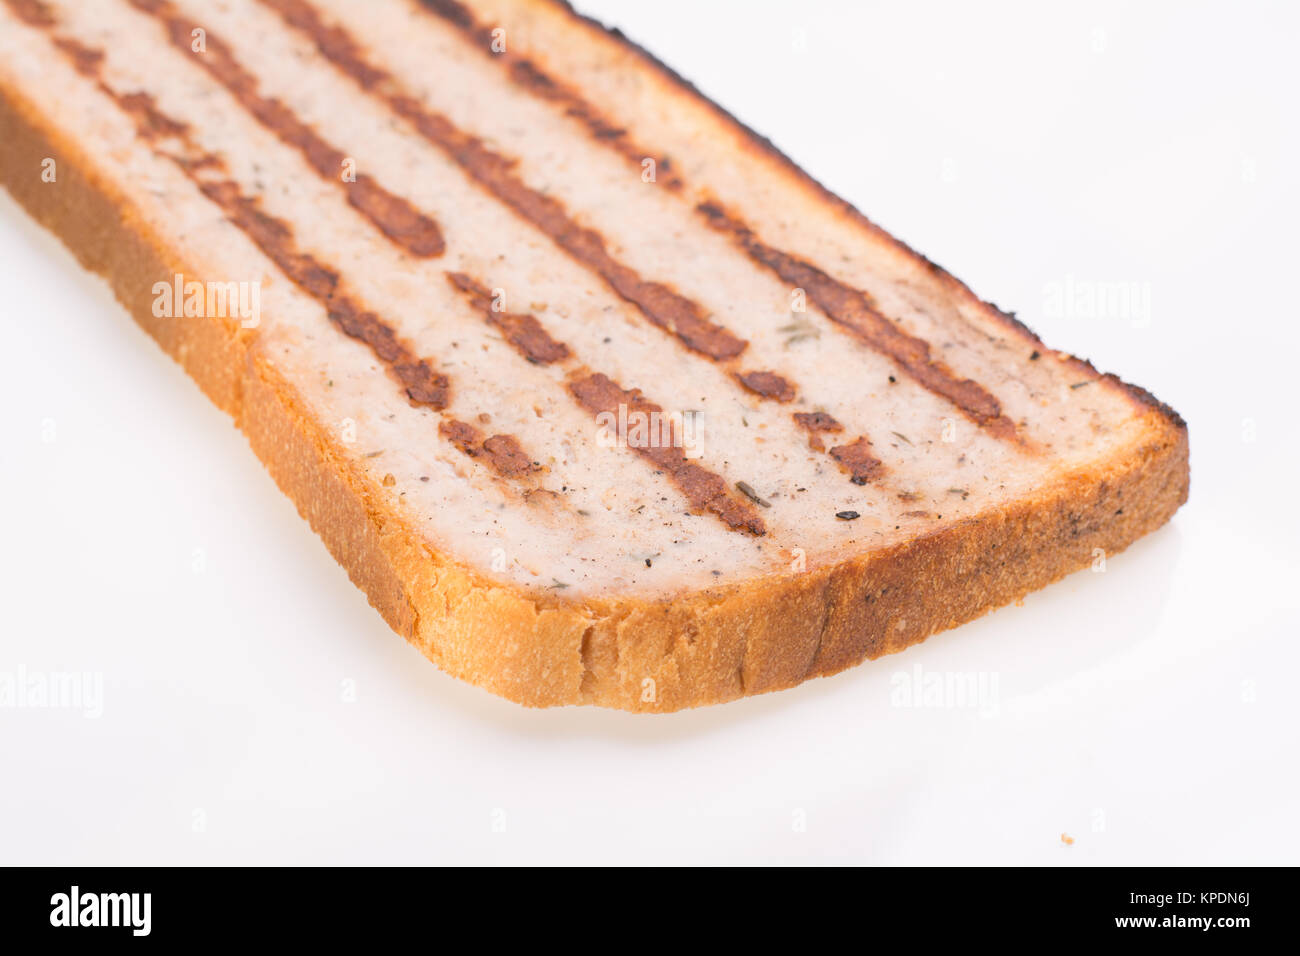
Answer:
(1149, 713)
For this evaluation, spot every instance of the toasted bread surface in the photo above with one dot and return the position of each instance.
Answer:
(482, 511)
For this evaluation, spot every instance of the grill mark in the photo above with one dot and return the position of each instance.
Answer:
(857, 460)
(461, 434)
(704, 489)
(33, 13)
(523, 331)
(662, 306)
(768, 385)
(597, 393)
(854, 310)
(423, 386)
(850, 308)
(84, 60)
(525, 73)
(502, 452)
(507, 457)
(815, 423)
(151, 124)
(393, 216)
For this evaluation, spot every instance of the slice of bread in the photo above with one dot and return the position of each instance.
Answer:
(596, 395)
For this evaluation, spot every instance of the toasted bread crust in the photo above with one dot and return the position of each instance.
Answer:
(537, 648)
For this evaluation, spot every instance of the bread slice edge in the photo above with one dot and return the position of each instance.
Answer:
(539, 649)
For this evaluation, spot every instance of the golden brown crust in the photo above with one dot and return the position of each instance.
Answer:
(706, 647)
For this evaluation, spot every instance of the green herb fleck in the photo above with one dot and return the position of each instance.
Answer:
(751, 494)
